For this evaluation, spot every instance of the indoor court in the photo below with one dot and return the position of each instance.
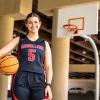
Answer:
(72, 29)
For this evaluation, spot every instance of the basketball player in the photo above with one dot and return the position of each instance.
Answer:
(33, 78)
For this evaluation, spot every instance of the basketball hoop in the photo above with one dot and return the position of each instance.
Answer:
(70, 29)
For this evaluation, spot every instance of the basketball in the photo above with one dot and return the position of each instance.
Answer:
(9, 65)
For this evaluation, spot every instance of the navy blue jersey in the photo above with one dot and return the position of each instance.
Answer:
(31, 55)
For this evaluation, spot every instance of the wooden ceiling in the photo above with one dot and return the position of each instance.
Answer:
(81, 51)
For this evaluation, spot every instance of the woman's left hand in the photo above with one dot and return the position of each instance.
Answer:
(48, 93)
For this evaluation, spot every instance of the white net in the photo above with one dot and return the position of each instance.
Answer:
(70, 29)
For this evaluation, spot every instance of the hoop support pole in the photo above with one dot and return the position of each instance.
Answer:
(96, 63)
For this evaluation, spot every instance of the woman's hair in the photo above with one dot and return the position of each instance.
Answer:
(32, 15)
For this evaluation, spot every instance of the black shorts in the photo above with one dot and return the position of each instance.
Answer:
(28, 86)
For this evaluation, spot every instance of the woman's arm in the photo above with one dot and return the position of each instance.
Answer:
(48, 64)
(11, 45)
(49, 71)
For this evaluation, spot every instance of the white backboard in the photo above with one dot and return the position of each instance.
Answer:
(85, 16)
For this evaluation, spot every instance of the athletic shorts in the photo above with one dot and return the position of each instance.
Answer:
(28, 86)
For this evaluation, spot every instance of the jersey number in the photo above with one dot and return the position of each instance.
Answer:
(31, 55)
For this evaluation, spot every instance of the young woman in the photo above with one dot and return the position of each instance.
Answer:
(33, 78)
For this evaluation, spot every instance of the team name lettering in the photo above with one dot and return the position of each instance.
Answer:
(32, 46)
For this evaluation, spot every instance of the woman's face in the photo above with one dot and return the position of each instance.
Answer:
(33, 24)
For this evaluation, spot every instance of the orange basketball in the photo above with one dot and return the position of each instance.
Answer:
(9, 65)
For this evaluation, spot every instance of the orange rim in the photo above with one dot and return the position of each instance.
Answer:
(68, 27)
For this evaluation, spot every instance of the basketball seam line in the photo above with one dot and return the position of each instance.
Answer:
(8, 65)
(5, 59)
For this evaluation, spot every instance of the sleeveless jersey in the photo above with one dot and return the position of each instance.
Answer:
(31, 55)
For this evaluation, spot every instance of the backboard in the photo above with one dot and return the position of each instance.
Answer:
(84, 16)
